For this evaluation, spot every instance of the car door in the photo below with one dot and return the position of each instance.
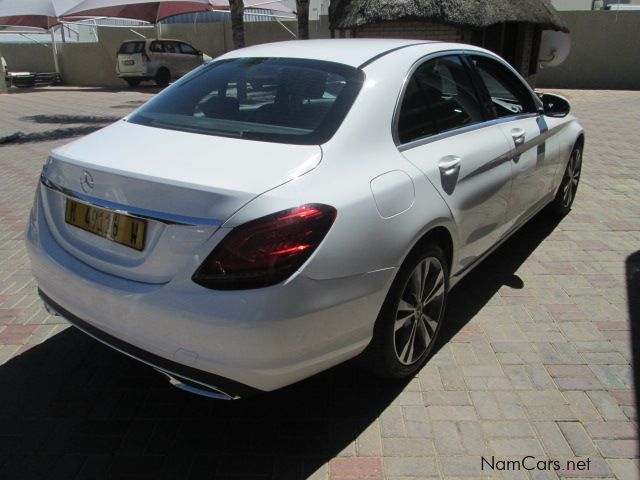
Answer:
(514, 105)
(442, 129)
(156, 57)
(191, 57)
(175, 59)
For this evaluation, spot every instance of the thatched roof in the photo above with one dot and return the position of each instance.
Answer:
(465, 13)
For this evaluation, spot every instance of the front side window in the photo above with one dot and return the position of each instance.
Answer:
(439, 97)
(171, 47)
(188, 49)
(156, 47)
(283, 100)
(508, 95)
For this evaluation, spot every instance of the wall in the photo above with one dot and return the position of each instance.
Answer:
(414, 30)
(93, 64)
(605, 52)
(572, 4)
(28, 56)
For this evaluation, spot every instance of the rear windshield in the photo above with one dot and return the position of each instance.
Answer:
(131, 47)
(283, 100)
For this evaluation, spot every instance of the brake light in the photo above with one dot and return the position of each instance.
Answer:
(266, 251)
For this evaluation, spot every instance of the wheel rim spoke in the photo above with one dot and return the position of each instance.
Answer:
(407, 352)
(419, 311)
(436, 290)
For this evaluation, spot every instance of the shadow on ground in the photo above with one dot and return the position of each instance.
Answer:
(633, 298)
(150, 89)
(82, 125)
(72, 408)
(69, 119)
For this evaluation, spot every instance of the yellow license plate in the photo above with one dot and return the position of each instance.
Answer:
(129, 62)
(113, 226)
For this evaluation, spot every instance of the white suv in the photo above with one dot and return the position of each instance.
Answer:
(158, 60)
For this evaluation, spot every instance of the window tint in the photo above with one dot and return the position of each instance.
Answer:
(131, 47)
(508, 95)
(270, 99)
(171, 47)
(156, 47)
(439, 97)
(186, 48)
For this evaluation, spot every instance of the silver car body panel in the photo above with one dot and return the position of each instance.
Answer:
(388, 196)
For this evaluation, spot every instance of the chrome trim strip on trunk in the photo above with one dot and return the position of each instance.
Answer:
(142, 213)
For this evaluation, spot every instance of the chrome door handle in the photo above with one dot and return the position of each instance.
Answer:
(519, 136)
(449, 165)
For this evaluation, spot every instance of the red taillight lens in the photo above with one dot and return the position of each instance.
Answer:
(266, 251)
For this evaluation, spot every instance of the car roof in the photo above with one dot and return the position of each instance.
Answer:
(351, 51)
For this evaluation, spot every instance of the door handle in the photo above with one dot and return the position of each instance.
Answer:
(449, 165)
(519, 136)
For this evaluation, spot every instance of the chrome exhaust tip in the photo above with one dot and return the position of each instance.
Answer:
(198, 389)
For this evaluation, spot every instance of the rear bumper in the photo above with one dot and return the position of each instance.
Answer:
(238, 342)
(219, 387)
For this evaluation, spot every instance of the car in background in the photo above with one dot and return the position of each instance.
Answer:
(157, 60)
(293, 205)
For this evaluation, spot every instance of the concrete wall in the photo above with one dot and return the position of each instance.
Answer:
(605, 52)
(93, 64)
(414, 30)
(28, 56)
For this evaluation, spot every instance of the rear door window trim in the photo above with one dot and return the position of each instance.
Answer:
(467, 128)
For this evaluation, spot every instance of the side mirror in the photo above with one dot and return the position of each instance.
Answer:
(555, 105)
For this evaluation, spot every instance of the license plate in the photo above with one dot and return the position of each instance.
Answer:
(117, 227)
(129, 62)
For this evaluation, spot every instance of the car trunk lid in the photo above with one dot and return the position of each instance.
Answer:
(182, 185)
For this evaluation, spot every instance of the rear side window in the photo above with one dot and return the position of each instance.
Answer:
(283, 100)
(439, 97)
(508, 96)
(156, 47)
(131, 47)
(171, 47)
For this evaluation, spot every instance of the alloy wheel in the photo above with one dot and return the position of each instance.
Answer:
(571, 178)
(419, 311)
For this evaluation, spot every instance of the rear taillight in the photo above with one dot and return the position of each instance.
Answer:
(266, 251)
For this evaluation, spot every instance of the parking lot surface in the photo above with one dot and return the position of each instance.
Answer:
(538, 358)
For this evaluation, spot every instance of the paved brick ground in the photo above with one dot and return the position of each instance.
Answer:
(537, 359)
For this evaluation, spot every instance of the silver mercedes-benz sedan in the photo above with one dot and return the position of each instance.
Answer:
(292, 205)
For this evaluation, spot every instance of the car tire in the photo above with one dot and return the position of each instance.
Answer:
(406, 329)
(132, 82)
(163, 76)
(562, 203)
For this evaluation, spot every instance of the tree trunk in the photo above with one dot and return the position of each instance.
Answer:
(302, 8)
(236, 8)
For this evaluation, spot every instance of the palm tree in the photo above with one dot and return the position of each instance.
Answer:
(302, 8)
(236, 8)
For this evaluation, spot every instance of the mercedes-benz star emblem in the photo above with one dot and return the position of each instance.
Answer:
(86, 182)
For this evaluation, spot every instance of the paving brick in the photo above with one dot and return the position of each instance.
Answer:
(446, 437)
(355, 468)
(411, 466)
(552, 439)
(407, 447)
(612, 430)
(606, 405)
(577, 438)
(624, 469)
(619, 448)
